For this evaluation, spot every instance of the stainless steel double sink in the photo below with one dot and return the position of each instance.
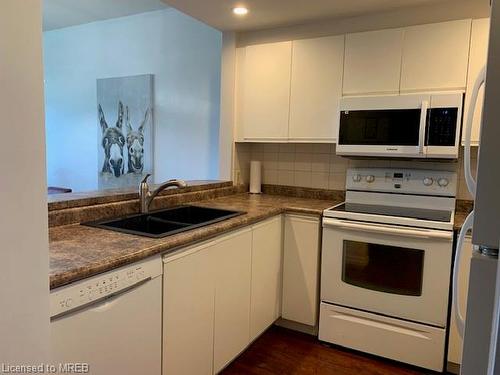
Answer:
(162, 223)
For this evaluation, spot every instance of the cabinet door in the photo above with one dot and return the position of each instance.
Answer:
(455, 342)
(373, 62)
(265, 101)
(316, 88)
(232, 257)
(477, 60)
(301, 269)
(240, 53)
(265, 303)
(188, 313)
(435, 56)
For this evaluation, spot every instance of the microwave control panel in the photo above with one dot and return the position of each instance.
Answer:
(442, 127)
(425, 182)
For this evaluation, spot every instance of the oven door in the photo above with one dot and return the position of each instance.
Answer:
(385, 126)
(396, 271)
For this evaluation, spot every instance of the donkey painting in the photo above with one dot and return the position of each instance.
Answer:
(113, 142)
(135, 144)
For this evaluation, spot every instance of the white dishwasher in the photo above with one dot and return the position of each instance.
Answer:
(111, 321)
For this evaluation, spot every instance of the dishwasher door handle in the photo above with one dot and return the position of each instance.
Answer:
(388, 229)
(109, 300)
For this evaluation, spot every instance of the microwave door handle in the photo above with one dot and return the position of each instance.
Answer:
(423, 123)
(388, 229)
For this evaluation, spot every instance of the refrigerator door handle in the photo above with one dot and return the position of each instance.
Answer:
(469, 179)
(459, 319)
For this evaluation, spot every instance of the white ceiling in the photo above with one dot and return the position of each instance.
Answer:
(64, 13)
(274, 13)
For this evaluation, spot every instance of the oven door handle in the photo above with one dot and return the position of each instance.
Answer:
(388, 229)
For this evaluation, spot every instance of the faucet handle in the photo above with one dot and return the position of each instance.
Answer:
(145, 179)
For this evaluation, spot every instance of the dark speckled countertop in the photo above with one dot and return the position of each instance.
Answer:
(462, 210)
(78, 251)
(460, 217)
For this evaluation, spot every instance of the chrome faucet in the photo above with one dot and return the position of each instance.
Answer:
(146, 196)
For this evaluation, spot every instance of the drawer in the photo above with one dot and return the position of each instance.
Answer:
(408, 342)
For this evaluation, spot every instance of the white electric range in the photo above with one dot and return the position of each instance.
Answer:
(386, 264)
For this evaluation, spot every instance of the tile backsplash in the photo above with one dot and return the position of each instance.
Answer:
(317, 165)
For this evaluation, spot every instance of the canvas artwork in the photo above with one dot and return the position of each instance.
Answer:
(125, 123)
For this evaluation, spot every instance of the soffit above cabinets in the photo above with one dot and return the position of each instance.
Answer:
(265, 14)
(58, 14)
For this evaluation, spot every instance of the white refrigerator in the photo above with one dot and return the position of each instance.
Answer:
(481, 354)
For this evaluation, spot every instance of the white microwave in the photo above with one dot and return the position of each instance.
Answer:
(404, 126)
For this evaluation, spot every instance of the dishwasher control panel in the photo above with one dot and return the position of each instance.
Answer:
(100, 287)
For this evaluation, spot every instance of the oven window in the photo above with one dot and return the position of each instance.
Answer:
(394, 127)
(383, 268)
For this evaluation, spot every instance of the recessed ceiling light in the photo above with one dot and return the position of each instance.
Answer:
(240, 11)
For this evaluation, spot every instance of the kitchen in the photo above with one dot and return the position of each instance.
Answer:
(307, 220)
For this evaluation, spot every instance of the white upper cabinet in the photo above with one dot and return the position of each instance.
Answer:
(265, 94)
(238, 94)
(477, 60)
(316, 87)
(373, 62)
(435, 56)
(290, 91)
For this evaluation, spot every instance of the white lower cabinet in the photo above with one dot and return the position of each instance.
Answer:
(232, 256)
(188, 312)
(219, 296)
(301, 256)
(267, 249)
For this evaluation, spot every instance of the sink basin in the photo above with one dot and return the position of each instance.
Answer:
(143, 224)
(167, 222)
(192, 214)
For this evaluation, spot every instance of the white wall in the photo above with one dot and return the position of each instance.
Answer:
(24, 282)
(182, 53)
(227, 105)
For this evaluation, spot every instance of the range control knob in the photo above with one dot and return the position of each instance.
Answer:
(356, 178)
(443, 182)
(370, 178)
(428, 181)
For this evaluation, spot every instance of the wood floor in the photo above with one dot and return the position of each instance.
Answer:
(281, 351)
